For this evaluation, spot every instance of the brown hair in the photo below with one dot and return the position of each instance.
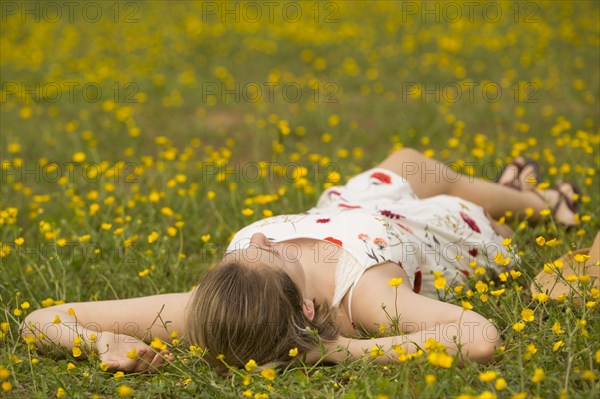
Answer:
(244, 313)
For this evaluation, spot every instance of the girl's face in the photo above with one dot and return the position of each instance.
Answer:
(263, 253)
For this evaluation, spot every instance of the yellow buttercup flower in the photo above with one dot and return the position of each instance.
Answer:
(152, 237)
(268, 374)
(527, 315)
(251, 365)
(124, 391)
(538, 376)
(488, 376)
(395, 282)
(439, 283)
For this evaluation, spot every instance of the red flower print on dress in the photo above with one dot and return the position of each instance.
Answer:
(334, 192)
(465, 272)
(470, 222)
(363, 237)
(333, 240)
(417, 284)
(380, 242)
(326, 220)
(473, 252)
(382, 177)
(349, 206)
(391, 214)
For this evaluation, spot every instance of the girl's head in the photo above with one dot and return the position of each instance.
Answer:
(251, 306)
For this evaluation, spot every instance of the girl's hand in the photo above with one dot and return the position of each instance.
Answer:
(126, 353)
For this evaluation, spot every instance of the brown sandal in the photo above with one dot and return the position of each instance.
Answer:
(520, 163)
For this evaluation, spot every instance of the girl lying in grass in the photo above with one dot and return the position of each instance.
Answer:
(374, 255)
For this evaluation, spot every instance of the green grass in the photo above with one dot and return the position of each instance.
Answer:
(170, 142)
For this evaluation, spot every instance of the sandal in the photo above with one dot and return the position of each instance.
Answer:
(520, 163)
(573, 205)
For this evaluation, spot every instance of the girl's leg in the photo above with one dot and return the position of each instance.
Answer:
(429, 177)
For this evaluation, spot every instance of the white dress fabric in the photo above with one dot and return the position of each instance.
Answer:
(376, 218)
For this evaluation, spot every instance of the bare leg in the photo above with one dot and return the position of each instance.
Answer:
(429, 177)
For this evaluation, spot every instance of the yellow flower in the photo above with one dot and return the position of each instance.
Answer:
(466, 305)
(152, 237)
(124, 391)
(515, 274)
(481, 286)
(439, 283)
(118, 376)
(293, 352)
(247, 212)
(394, 282)
(597, 356)
(106, 226)
(247, 393)
(158, 344)
(506, 242)
(540, 241)
(19, 241)
(56, 320)
(17, 312)
(6, 386)
(103, 366)
(268, 374)
(500, 384)
(557, 346)
(251, 365)
(538, 376)
(79, 157)
(488, 376)
(498, 292)
(205, 238)
(541, 297)
(71, 366)
(267, 213)
(501, 260)
(589, 375)
(440, 359)
(579, 258)
(376, 351)
(527, 315)
(518, 327)
(60, 392)
(211, 195)
(165, 210)
(76, 351)
(25, 305)
(4, 373)
(430, 379)
(132, 354)
(556, 328)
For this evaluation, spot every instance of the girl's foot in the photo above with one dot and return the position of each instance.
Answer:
(564, 200)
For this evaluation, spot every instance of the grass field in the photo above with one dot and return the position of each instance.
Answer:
(138, 137)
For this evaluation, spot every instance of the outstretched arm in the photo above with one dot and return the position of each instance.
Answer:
(117, 330)
(419, 318)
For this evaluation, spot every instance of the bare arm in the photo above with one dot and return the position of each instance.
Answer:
(419, 318)
(111, 328)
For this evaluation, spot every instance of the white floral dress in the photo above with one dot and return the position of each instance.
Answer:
(376, 218)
